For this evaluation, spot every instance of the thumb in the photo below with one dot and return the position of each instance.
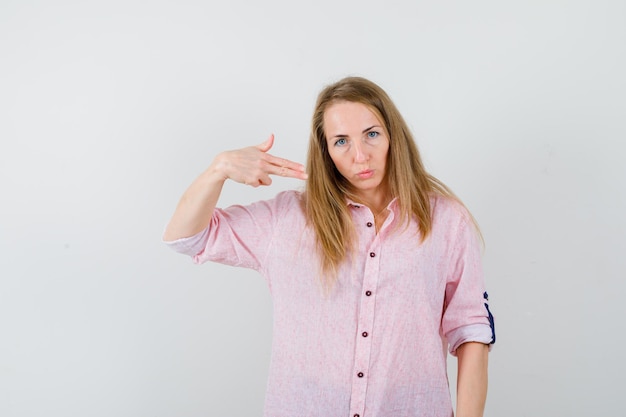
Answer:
(267, 145)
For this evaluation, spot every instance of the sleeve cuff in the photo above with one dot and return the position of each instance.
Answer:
(480, 333)
(192, 245)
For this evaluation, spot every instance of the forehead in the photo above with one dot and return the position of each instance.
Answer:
(349, 115)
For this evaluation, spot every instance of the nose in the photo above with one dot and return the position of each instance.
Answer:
(360, 155)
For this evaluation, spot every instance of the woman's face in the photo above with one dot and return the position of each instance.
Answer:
(358, 144)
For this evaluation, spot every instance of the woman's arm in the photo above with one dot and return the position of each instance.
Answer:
(251, 166)
(471, 387)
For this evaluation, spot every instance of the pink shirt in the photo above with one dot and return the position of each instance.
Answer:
(376, 345)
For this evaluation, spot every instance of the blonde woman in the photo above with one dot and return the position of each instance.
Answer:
(374, 270)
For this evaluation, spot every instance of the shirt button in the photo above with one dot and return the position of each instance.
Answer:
(364, 334)
(356, 415)
(368, 293)
(372, 254)
(360, 374)
(369, 224)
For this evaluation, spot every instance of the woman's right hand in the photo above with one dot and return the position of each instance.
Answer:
(254, 165)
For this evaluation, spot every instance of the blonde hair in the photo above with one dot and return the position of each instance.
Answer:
(326, 189)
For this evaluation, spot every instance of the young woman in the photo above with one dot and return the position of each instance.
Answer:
(374, 270)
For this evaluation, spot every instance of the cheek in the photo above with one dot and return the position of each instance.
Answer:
(385, 154)
(334, 156)
(339, 163)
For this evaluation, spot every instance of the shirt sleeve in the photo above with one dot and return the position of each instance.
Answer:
(466, 316)
(191, 245)
(237, 235)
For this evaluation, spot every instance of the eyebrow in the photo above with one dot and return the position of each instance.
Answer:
(343, 135)
(370, 128)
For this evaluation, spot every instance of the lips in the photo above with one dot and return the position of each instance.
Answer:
(365, 174)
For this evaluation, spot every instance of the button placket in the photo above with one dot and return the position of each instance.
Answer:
(365, 326)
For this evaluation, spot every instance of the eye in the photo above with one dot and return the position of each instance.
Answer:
(372, 134)
(340, 142)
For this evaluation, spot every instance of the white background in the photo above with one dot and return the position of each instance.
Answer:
(108, 110)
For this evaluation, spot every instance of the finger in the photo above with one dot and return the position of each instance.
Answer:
(282, 162)
(264, 180)
(267, 145)
(257, 179)
(289, 172)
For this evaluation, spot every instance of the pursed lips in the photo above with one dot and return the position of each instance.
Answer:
(365, 174)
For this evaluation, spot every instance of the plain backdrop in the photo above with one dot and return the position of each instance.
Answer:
(109, 109)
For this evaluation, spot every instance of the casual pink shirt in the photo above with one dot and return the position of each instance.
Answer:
(377, 344)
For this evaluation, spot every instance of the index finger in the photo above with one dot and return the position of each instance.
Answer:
(282, 162)
(286, 168)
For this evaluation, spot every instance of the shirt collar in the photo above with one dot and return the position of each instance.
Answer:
(391, 206)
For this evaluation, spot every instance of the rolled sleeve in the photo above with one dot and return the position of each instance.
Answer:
(466, 316)
(238, 235)
(191, 245)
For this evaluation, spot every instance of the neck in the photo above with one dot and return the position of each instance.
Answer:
(377, 204)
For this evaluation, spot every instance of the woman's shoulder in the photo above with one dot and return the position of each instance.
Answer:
(288, 203)
(448, 209)
(289, 197)
(280, 204)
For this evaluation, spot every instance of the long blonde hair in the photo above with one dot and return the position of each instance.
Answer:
(326, 189)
